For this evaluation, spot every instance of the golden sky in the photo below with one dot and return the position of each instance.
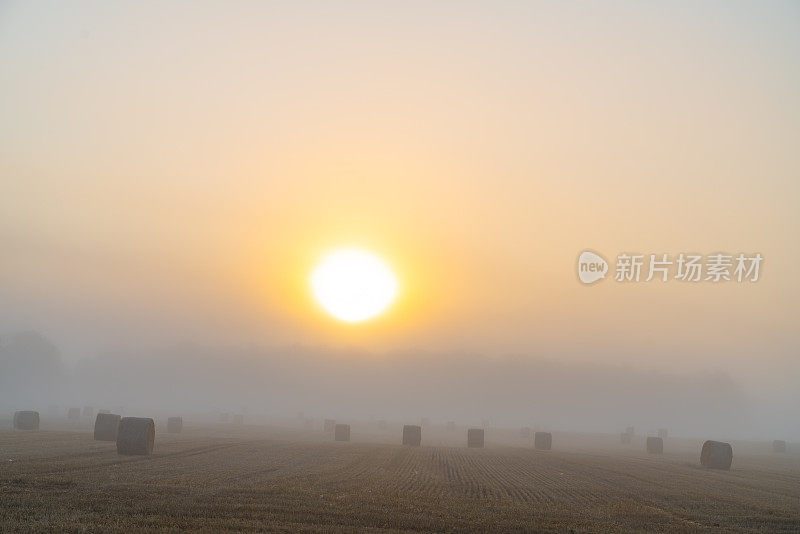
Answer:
(175, 171)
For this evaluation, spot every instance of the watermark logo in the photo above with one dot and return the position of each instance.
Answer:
(591, 267)
(714, 268)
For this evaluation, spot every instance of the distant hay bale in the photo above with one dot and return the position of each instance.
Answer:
(341, 433)
(451, 426)
(412, 435)
(716, 455)
(484, 423)
(525, 432)
(663, 433)
(175, 425)
(26, 420)
(778, 446)
(329, 425)
(238, 419)
(106, 427)
(625, 438)
(223, 417)
(542, 441)
(655, 445)
(88, 411)
(475, 438)
(136, 436)
(74, 414)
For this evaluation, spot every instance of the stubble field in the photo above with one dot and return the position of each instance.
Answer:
(226, 477)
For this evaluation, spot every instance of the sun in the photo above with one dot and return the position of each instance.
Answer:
(353, 285)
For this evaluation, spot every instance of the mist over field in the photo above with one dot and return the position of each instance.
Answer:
(507, 391)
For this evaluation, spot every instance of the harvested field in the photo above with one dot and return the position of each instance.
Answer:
(259, 478)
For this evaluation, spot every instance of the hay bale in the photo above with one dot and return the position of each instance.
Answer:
(238, 419)
(625, 438)
(778, 446)
(663, 433)
(716, 455)
(26, 420)
(412, 435)
(655, 445)
(223, 417)
(175, 425)
(542, 441)
(88, 411)
(525, 432)
(74, 414)
(451, 426)
(329, 425)
(106, 427)
(136, 436)
(484, 423)
(341, 433)
(475, 438)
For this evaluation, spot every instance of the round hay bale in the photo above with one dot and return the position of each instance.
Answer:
(778, 446)
(175, 425)
(26, 420)
(341, 433)
(542, 441)
(329, 425)
(412, 435)
(475, 438)
(106, 427)
(663, 433)
(74, 414)
(655, 445)
(716, 455)
(525, 432)
(136, 436)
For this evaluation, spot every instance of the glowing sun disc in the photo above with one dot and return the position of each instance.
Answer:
(353, 285)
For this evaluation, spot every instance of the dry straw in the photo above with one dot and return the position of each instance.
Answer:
(26, 420)
(136, 436)
(475, 438)
(106, 427)
(716, 455)
(412, 435)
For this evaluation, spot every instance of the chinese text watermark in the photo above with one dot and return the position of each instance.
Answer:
(714, 268)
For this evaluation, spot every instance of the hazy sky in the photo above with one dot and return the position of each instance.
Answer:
(173, 171)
